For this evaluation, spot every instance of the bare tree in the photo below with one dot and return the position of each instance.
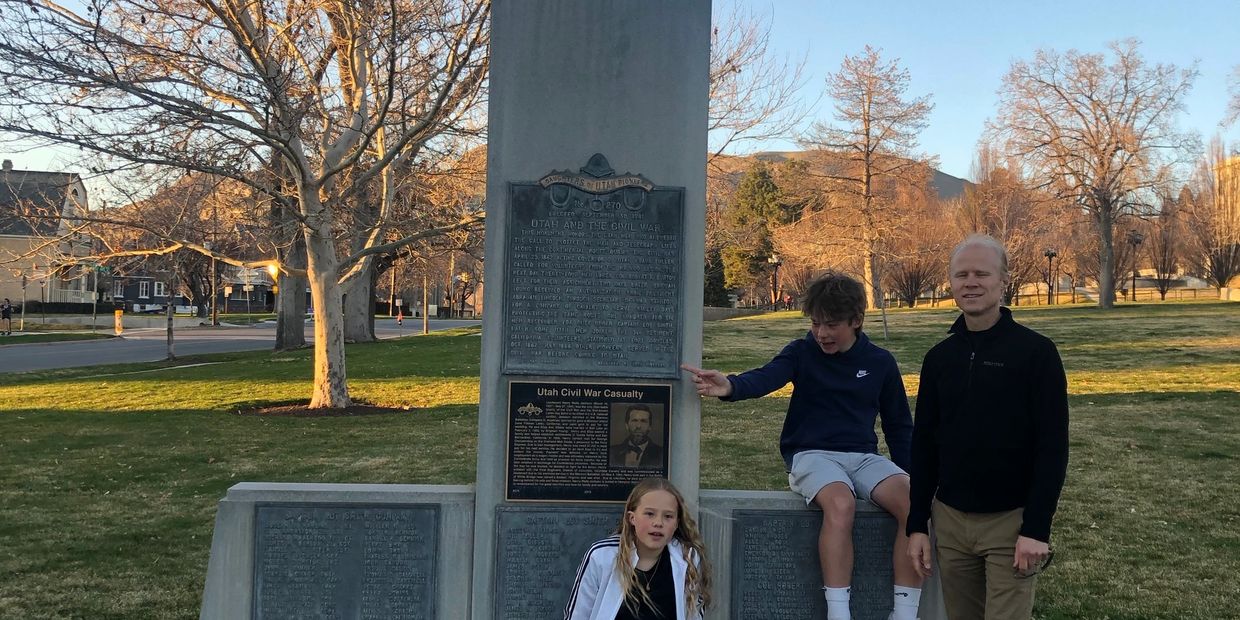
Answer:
(1002, 204)
(871, 143)
(754, 95)
(1233, 106)
(1099, 134)
(918, 253)
(1162, 239)
(1212, 217)
(338, 95)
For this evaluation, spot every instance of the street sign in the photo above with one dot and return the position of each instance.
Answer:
(247, 288)
(228, 290)
(399, 302)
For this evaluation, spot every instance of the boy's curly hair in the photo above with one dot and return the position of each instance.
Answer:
(834, 296)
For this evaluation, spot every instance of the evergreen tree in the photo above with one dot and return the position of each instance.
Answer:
(758, 208)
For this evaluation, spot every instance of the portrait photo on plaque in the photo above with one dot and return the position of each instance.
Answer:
(585, 440)
(638, 436)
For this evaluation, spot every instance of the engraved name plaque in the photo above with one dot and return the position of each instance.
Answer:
(775, 570)
(539, 552)
(354, 562)
(592, 276)
(585, 441)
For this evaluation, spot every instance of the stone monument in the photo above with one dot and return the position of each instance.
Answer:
(595, 208)
(595, 230)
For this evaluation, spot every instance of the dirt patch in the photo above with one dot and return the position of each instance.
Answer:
(302, 410)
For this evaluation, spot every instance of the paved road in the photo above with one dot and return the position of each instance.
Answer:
(149, 345)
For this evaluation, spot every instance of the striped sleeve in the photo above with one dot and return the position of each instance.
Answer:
(591, 577)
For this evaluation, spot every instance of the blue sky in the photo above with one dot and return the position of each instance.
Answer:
(959, 51)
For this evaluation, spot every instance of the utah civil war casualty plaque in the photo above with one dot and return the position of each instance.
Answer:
(592, 276)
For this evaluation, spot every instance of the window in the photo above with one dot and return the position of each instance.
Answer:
(144, 290)
(118, 289)
(161, 289)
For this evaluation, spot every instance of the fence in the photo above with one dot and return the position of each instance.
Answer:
(1144, 295)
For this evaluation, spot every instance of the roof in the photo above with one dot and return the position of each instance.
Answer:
(28, 197)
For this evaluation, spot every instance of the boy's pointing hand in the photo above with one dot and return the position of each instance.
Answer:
(709, 382)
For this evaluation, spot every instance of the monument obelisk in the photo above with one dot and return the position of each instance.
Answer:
(595, 210)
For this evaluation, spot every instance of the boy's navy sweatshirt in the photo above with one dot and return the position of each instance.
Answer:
(835, 398)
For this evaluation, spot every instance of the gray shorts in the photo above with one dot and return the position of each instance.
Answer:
(814, 469)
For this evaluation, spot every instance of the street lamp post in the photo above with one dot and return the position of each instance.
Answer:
(1135, 238)
(215, 302)
(392, 290)
(1050, 255)
(274, 271)
(775, 262)
(464, 290)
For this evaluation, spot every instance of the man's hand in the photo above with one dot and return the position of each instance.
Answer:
(709, 382)
(1030, 554)
(919, 554)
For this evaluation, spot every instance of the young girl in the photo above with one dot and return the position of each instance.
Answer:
(653, 567)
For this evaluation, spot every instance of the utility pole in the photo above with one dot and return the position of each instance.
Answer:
(392, 297)
(94, 296)
(426, 306)
(215, 233)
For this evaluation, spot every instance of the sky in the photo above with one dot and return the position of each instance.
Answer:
(958, 51)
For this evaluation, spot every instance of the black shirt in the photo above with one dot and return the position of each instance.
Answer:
(662, 590)
(991, 432)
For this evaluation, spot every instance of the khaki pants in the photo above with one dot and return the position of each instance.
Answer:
(975, 552)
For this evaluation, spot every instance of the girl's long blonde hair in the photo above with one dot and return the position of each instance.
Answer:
(697, 577)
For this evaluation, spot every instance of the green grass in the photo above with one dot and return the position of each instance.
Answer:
(1149, 522)
(109, 477)
(241, 318)
(6, 341)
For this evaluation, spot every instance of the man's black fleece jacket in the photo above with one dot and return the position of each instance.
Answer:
(991, 430)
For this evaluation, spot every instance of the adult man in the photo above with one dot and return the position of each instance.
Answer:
(990, 446)
(6, 316)
(841, 383)
(638, 450)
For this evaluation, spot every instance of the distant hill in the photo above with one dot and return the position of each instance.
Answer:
(945, 184)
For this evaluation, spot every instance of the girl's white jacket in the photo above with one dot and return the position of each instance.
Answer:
(597, 594)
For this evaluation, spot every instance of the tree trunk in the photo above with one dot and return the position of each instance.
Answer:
(170, 309)
(1106, 259)
(359, 307)
(874, 290)
(331, 389)
(291, 301)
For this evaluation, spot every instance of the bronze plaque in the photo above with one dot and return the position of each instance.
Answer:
(585, 441)
(592, 276)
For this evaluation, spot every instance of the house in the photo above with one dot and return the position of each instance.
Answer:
(38, 212)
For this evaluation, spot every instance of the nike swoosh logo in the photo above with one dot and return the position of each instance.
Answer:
(862, 373)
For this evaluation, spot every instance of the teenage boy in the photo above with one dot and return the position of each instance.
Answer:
(841, 382)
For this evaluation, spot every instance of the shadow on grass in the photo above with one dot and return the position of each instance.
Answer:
(109, 515)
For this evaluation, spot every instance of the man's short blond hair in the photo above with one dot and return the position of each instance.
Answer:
(986, 241)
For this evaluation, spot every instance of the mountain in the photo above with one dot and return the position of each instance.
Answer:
(947, 185)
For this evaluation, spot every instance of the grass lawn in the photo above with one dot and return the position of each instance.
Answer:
(109, 477)
(29, 338)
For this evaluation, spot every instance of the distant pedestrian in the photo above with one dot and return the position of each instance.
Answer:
(6, 316)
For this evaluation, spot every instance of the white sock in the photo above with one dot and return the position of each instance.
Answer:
(837, 603)
(906, 602)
